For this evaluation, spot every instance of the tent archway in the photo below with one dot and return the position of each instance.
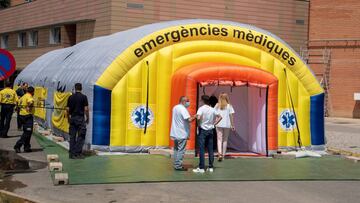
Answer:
(185, 82)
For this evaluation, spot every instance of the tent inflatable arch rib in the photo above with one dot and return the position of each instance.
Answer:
(115, 78)
(185, 82)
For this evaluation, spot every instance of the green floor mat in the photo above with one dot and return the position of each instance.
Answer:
(157, 168)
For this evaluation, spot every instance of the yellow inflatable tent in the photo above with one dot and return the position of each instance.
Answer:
(128, 78)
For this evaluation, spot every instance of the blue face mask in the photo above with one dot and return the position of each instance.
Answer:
(187, 104)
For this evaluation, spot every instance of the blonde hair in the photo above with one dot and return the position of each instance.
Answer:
(223, 101)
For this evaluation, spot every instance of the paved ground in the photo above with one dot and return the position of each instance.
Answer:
(341, 133)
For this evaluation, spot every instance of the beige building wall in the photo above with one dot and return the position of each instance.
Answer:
(79, 20)
(286, 18)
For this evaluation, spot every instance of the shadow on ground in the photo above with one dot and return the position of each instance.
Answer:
(11, 163)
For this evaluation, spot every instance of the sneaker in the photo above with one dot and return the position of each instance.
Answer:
(210, 170)
(198, 170)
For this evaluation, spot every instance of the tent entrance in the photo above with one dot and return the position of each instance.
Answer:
(253, 92)
(249, 103)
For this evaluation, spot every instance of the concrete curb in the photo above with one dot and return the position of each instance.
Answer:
(336, 151)
(6, 196)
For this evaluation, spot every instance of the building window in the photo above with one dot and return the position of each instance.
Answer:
(5, 41)
(300, 22)
(21, 39)
(33, 38)
(55, 35)
(135, 5)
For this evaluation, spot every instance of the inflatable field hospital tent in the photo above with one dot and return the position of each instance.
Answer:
(134, 78)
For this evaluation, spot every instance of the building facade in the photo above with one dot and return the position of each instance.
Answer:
(31, 28)
(334, 53)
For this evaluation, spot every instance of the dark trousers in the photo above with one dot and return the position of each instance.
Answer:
(77, 132)
(6, 114)
(28, 122)
(18, 119)
(206, 141)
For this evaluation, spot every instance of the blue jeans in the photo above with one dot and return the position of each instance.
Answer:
(205, 139)
(179, 151)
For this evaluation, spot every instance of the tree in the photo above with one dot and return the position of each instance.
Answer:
(4, 4)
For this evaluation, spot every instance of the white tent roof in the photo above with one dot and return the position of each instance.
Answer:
(86, 61)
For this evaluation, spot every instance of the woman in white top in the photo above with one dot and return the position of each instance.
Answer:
(226, 111)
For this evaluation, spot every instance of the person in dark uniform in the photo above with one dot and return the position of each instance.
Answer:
(8, 100)
(20, 92)
(26, 105)
(78, 115)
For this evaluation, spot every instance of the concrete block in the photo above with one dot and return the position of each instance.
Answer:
(352, 158)
(58, 139)
(46, 132)
(284, 156)
(61, 179)
(55, 166)
(52, 158)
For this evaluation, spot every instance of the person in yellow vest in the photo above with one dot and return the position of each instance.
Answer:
(8, 100)
(26, 105)
(20, 92)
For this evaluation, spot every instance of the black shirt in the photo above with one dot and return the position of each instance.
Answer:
(76, 104)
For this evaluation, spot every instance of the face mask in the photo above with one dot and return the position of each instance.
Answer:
(187, 104)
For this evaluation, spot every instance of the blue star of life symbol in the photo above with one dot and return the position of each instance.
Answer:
(140, 117)
(287, 120)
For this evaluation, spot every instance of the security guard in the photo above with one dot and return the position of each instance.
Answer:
(78, 115)
(26, 105)
(8, 100)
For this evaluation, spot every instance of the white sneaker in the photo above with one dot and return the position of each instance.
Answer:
(210, 170)
(198, 170)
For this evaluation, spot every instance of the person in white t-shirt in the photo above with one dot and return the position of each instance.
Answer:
(226, 111)
(207, 118)
(180, 130)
